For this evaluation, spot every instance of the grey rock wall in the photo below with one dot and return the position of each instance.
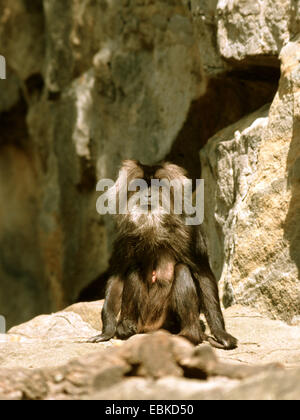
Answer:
(90, 83)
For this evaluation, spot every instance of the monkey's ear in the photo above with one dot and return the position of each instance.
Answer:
(172, 171)
(129, 165)
(132, 169)
(129, 170)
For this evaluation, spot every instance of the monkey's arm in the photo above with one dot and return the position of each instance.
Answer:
(128, 323)
(185, 303)
(110, 310)
(209, 295)
(210, 301)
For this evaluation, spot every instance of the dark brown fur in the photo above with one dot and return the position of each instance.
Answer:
(160, 275)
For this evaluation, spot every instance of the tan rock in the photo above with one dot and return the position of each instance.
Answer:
(89, 312)
(252, 186)
(152, 366)
(253, 29)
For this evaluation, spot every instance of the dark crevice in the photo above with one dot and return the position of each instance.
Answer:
(33, 6)
(194, 373)
(228, 99)
(95, 290)
(270, 75)
(13, 125)
(134, 371)
(35, 84)
(88, 178)
(53, 96)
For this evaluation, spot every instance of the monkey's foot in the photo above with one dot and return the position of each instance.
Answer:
(223, 340)
(194, 335)
(126, 329)
(99, 338)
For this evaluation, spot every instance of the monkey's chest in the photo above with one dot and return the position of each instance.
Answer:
(161, 244)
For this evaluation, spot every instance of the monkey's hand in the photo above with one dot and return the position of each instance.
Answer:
(223, 340)
(99, 338)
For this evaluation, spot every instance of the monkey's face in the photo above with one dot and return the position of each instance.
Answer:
(152, 191)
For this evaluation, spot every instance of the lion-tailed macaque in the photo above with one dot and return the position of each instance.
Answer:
(159, 271)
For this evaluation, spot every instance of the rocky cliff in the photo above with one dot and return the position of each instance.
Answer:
(91, 82)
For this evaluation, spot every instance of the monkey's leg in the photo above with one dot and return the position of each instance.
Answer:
(128, 323)
(212, 309)
(185, 303)
(110, 310)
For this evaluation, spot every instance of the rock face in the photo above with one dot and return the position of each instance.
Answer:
(49, 358)
(253, 29)
(95, 83)
(90, 83)
(242, 32)
(252, 202)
